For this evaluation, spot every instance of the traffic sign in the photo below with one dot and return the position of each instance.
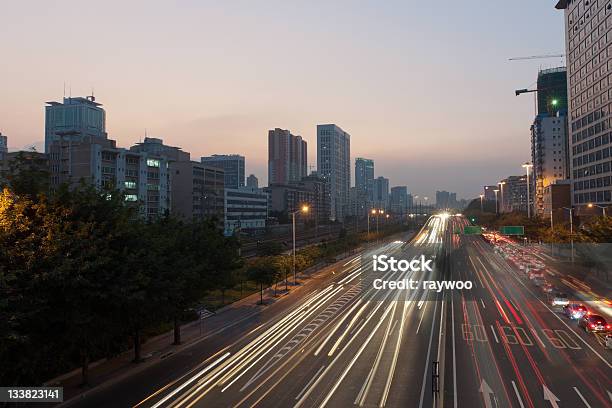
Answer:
(472, 230)
(512, 230)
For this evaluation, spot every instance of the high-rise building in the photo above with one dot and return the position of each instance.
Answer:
(252, 181)
(513, 194)
(381, 192)
(445, 199)
(334, 165)
(489, 193)
(552, 90)
(287, 157)
(549, 155)
(74, 119)
(3, 146)
(364, 176)
(399, 200)
(589, 63)
(232, 165)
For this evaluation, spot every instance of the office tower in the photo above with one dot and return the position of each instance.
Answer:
(587, 40)
(74, 119)
(359, 203)
(333, 164)
(399, 200)
(311, 190)
(552, 90)
(232, 165)
(287, 157)
(245, 209)
(381, 193)
(252, 181)
(3, 146)
(442, 199)
(364, 177)
(549, 156)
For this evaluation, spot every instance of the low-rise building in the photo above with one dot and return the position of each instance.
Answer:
(245, 209)
(197, 191)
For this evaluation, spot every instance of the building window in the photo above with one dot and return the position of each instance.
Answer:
(131, 197)
(130, 184)
(152, 162)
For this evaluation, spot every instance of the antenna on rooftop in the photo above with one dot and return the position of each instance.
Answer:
(64, 89)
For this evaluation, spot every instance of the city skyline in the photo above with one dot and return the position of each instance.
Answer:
(395, 86)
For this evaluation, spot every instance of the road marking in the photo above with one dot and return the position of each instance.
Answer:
(550, 397)
(538, 337)
(314, 377)
(582, 397)
(421, 320)
(518, 396)
(483, 305)
(433, 322)
(486, 393)
(494, 334)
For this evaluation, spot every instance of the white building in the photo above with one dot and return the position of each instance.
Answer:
(334, 165)
(245, 208)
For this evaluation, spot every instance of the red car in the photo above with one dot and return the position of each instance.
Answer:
(575, 310)
(594, 323)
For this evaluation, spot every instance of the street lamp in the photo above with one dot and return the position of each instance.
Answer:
(481, 205)
(591, 205)
(496, 202)
(501, 184)
(373, 212)
(304, 209)
(571, 212)
(527, 166)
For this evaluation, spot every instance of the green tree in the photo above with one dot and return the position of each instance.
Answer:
(263, 272)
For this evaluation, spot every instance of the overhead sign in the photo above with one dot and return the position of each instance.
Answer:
(512, 230)
(472, 230)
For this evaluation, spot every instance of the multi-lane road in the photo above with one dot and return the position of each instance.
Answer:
(340, 342)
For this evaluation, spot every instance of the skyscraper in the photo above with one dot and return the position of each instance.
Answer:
(552, 90)
(287, 157)
(399, 200)
(364, 176)
(381, 192)
(334, 165)
(587, 37)
(76, 119)
(232, 165)
(3, 146)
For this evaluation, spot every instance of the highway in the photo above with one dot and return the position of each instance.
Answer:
(339, 342)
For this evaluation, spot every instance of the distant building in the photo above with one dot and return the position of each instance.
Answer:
(333, 165)
(245, 209)
(489, 193)
(287, 157)
(76, 119)
(3, 146)
(364, 177)
(381, 193)
(399, 200)
(197, 191)
(549, 155)
(143, 177)
(587, 39)
(311, 191)
(358, 203)
(156, 147)
(556, 196)
(445, 199)
(252, 181)
(232, 165)
(552, 91)
(513, 194)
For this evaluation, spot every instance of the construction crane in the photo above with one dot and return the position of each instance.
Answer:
(537, 57)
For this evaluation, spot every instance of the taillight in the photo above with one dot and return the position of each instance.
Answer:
(607, 326)
(592, 325)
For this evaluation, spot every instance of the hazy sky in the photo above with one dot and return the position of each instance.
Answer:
(424, 88)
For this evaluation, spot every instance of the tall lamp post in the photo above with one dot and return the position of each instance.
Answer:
(501, 189)
(304, 210)
(591, 205)
(496, 202)
(527, 166)
(372, 212)
(571, 212)
(481, 204)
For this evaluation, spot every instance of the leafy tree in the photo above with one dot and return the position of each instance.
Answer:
(263, 272)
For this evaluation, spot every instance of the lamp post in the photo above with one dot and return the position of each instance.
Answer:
(527, 166)
(481, 205)
(591, 205)
(496, 202)
(373, 212)
(304, 210)
(501, 186)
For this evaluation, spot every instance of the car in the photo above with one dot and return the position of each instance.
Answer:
(547, 287)
(560, 299)
(536, 275)
(593, 323)
(608, 341)
(575, 310)
(539, 282)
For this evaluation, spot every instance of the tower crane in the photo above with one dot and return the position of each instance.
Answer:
(537, 57)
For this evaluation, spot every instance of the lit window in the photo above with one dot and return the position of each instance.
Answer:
(131, 197)
(152, 162)
(130, 184)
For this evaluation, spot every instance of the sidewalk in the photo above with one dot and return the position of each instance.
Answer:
(106, 372)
